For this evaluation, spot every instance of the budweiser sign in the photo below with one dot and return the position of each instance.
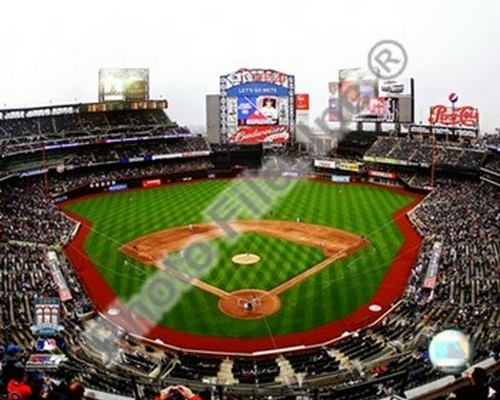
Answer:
(454, 116)
(258, 134)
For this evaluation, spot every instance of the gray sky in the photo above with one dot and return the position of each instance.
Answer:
(52, 50)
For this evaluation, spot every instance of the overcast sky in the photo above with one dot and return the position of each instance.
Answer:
(51, 51)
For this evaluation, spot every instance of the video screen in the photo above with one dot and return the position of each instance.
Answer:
(127, 85)
(260, 110)
(377, 109)
(362, 97)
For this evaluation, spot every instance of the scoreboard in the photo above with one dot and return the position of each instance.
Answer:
(123, 84)
(257, 106)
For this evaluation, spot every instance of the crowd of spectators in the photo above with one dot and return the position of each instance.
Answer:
(65, 182)
(382, 147)
(463, 215)
(451, 305)
(28, 215)
(24, 276)
(465, 218)
(492, 140)
(493, 164)
(22, 133)
(420, 152)
(139, 150)
(287, 163)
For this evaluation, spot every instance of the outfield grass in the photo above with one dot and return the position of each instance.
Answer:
(331, 294)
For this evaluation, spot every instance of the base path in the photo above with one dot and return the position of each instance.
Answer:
(304, 275)
(156, 246)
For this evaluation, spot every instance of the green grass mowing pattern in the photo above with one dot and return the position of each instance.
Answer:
(121, 217)
(331, 294)
(280, 260)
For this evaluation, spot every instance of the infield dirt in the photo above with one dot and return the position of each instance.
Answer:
(246, 303)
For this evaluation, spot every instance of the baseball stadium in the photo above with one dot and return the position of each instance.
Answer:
(256, 259)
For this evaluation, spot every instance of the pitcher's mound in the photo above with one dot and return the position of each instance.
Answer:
(249, 304)
(245, 259)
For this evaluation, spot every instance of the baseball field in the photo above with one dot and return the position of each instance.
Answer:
(239, 263)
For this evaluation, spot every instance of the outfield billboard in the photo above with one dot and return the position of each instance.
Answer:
(359, 96)
(257, 105)
(395, 88)
(123, 84)
(356, 88)
(329, 164)
(302, 102)
(377, 109)
(382, 174)
(465, 116)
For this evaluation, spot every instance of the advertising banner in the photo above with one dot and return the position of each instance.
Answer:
(259, 134)
(341, 179)
(466, 116)
(359, 96)
(151, 183)
(46, 320)
(377, 109)
(118, 187)
(302, 102)
(330, 164)
(382, 174)
(347, 166)
(431, 274)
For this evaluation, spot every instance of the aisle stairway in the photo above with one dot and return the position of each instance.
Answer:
(225, 375)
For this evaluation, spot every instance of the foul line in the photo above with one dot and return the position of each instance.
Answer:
(304, 275)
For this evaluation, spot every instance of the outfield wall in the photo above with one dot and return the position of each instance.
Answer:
(106, 186)
(141, 183)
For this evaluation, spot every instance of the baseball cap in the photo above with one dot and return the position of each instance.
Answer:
(480, 375)
(13, 349)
